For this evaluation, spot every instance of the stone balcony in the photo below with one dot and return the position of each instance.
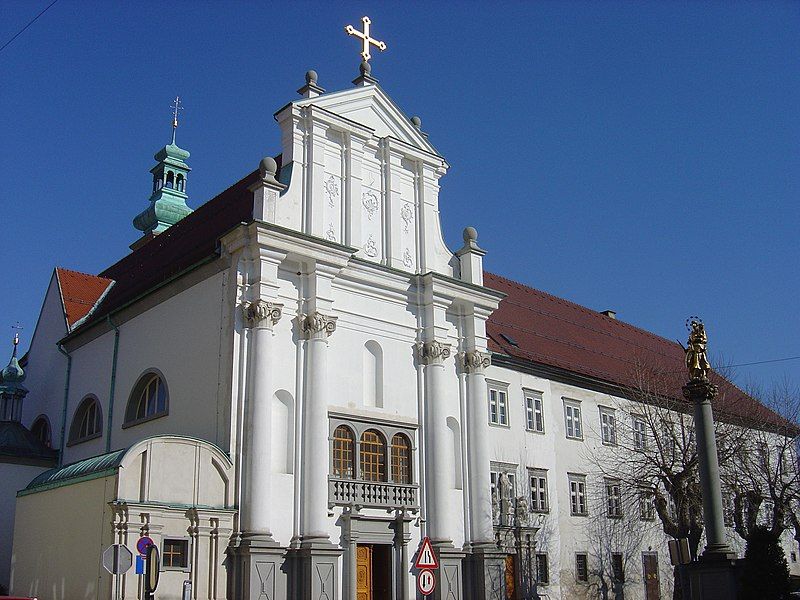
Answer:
(372, 494)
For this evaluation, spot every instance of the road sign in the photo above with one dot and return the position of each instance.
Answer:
(426, 557)
(151, 571)
(426, 582)
(142, 544)
(117, 559)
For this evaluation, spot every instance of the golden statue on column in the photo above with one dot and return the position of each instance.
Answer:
(696, 359)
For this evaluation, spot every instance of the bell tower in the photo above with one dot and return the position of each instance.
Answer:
(168, 199)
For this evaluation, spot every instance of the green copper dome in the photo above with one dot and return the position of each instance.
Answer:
(12, 376)
(168, 200)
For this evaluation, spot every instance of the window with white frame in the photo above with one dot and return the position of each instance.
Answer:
(639, 433)
(572, 417)
(534, 412)
(646, 504)
(498, 406)
(613, 498)
(608, 426)
(577, 494)
(538, 480)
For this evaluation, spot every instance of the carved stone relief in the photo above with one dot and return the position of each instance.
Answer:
(332, 190)
(434, 352)
(371, 248)
(370, 201)
(407, 214)
(317, 325)
(262, 313)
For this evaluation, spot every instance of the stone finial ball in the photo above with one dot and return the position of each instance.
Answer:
(365, 68)
(311, 77)
(470, 235)
(416, 122)
(268, 166)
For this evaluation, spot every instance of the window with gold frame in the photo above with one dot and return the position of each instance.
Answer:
(343, 452)
(373, 456)
(401, 459)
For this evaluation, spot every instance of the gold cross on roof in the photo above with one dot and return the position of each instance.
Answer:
(365, 38)
(175, 106)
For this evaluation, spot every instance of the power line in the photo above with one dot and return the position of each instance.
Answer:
(31, 22)
(763, 362)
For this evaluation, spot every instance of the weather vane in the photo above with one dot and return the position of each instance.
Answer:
(175, 106)
(365, 38)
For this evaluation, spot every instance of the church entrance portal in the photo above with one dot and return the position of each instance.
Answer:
(373, 572)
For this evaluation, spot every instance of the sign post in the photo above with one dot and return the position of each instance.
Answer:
(151, 572)
(426, 560)
(117, 559)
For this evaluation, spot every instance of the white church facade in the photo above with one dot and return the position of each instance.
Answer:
(292, 385)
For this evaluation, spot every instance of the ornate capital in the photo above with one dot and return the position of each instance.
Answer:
(262, 313)
(699, 390)
(434, 352)
(317, 326)
(475, 361)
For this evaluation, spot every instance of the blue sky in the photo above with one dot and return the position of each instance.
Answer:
(641, 157)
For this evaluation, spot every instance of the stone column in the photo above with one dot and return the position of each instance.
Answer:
(318, 574)
(259, 557)
(316, 328)
(480, 500)
(700, 392)
(438, 457)
(439, 468)
(485, 563)
(254, 519)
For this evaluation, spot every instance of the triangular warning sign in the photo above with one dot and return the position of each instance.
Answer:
(426, 557)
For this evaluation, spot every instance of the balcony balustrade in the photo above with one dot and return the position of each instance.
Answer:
(372, 494)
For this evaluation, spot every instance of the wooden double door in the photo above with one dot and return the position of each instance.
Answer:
(373, 572)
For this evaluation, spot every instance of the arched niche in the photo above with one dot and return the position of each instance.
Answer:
(373, 374)
(282, 432)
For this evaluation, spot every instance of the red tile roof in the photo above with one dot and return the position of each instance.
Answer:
(79, 293)
(557, 333)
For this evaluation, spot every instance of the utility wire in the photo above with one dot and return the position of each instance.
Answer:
(31, 22)
(763, 362)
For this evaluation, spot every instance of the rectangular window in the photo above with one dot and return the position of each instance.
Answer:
(577, 494)
(639, 434)
(534, 413)
(608, 426)
(613, 498)
(582, 567)
(498, 407)
(542, 569)
(646, 504)
(572, 415)
(538, 479)
(175, 554)
(618, 567)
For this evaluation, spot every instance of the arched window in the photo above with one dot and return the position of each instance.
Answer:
(170, 179)
(401, 459)
(373, 456)
(148, 400)
(41, 429)
(343, 452)
(179, 182)
(87, 423)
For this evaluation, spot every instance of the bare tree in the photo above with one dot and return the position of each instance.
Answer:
(763, 480)
(615, 533)
(653, 451)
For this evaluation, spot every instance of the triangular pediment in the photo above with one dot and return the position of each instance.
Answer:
(370, 106)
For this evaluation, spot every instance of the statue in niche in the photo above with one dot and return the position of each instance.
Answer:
(521, 512)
